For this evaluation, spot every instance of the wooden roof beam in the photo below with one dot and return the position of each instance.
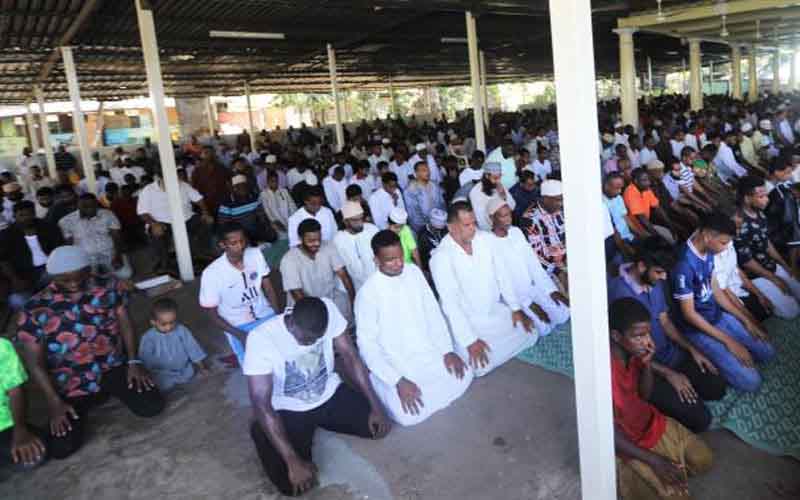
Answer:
(702, 12)
(78, 23)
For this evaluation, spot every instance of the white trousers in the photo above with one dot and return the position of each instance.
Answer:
(438, 388)
(503, 338)
(786, 306)
(558, 313)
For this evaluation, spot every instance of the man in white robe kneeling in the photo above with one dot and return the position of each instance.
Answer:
(485, 314)
(403, 338)
(537, 292)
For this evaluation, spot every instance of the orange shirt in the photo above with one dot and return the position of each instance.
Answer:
(638, 203)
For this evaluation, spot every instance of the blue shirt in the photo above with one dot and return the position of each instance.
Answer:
(619, 214)
(692, 278)
(654, 299)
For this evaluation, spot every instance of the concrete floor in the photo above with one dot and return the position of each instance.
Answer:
(511, 437)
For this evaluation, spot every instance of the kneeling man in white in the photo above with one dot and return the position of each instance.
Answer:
(403, 338)
(476, 294)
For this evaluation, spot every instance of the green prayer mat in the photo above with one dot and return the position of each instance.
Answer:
(768, 419)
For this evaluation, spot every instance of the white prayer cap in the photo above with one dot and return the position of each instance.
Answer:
(4, 170)
(312, 181)
(271, 159)
(618, 125)
(421, 146)
(495, 204)
(386, 140)
(781, 107)
(658, 123)
(492, 167)
(747, 127)
(655, 164)
(765, 124)
(438, 218)
(66, 259)
(608, 137)
(398, 215)
(238, 179)
(352, 209)
(551, 188)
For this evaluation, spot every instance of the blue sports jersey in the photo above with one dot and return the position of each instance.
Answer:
(691, 277)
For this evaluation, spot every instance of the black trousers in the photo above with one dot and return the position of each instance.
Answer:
(754, 306)
(346, 412)
(693, 416)
(114, 383)
(199, 240)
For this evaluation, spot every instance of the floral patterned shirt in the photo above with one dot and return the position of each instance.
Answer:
(80, 333)
(546, 234)
(752, 241)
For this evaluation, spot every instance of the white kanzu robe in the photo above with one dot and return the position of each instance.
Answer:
(477, 297)
(402, 334)
(530, 281)
(356, 252)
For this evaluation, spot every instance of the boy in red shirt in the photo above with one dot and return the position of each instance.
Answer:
(655, 454)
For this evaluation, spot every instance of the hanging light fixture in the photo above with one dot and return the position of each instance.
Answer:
(724, 32)
(660, 17)
(758, 29)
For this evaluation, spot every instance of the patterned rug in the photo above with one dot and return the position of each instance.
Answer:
(768, 419)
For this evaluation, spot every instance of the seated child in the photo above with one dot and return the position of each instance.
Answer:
(655, 454)
(168, 350)
(397, 223)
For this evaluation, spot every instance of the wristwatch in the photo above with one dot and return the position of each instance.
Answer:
(134, 361)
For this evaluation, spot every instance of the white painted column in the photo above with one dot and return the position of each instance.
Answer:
(627, 77)
(210, 117)
(392, 97)
(710, 77)
(736, 72)
(250, 116)
(337, 106)
(684, 87)
(793, 69)
(695, 76)
(576, 98)
(649, 75)
(34, 137)
(776, 71)
(99, 123)
(152, 63)
(752, 90)
(484, 89)
(78, 124)
(48, 149)
(475, 80)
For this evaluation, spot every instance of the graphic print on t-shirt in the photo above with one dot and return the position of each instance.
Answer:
(250, 293)
(306, 376)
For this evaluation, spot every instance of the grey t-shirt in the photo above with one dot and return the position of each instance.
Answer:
(316, 277)
(169, 357)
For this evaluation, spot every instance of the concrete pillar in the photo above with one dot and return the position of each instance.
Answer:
(736, 72)
(392, 100)
(484, 89)
(210, 117)
(576, 98)
(752, 89)
(695, 76)
(78, 124)
(475, 80)
(336, 104)
(684, 87)
(776, 71)
(250, 117)
(792, 70)
(627, 77)
(98, 125)
(48, 149)
(152, 64)
(33, 137)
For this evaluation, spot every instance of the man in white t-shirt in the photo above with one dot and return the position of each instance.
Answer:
(294, 389)
(312, 209)
(153, 207)
(235, 289)
(354, 244)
